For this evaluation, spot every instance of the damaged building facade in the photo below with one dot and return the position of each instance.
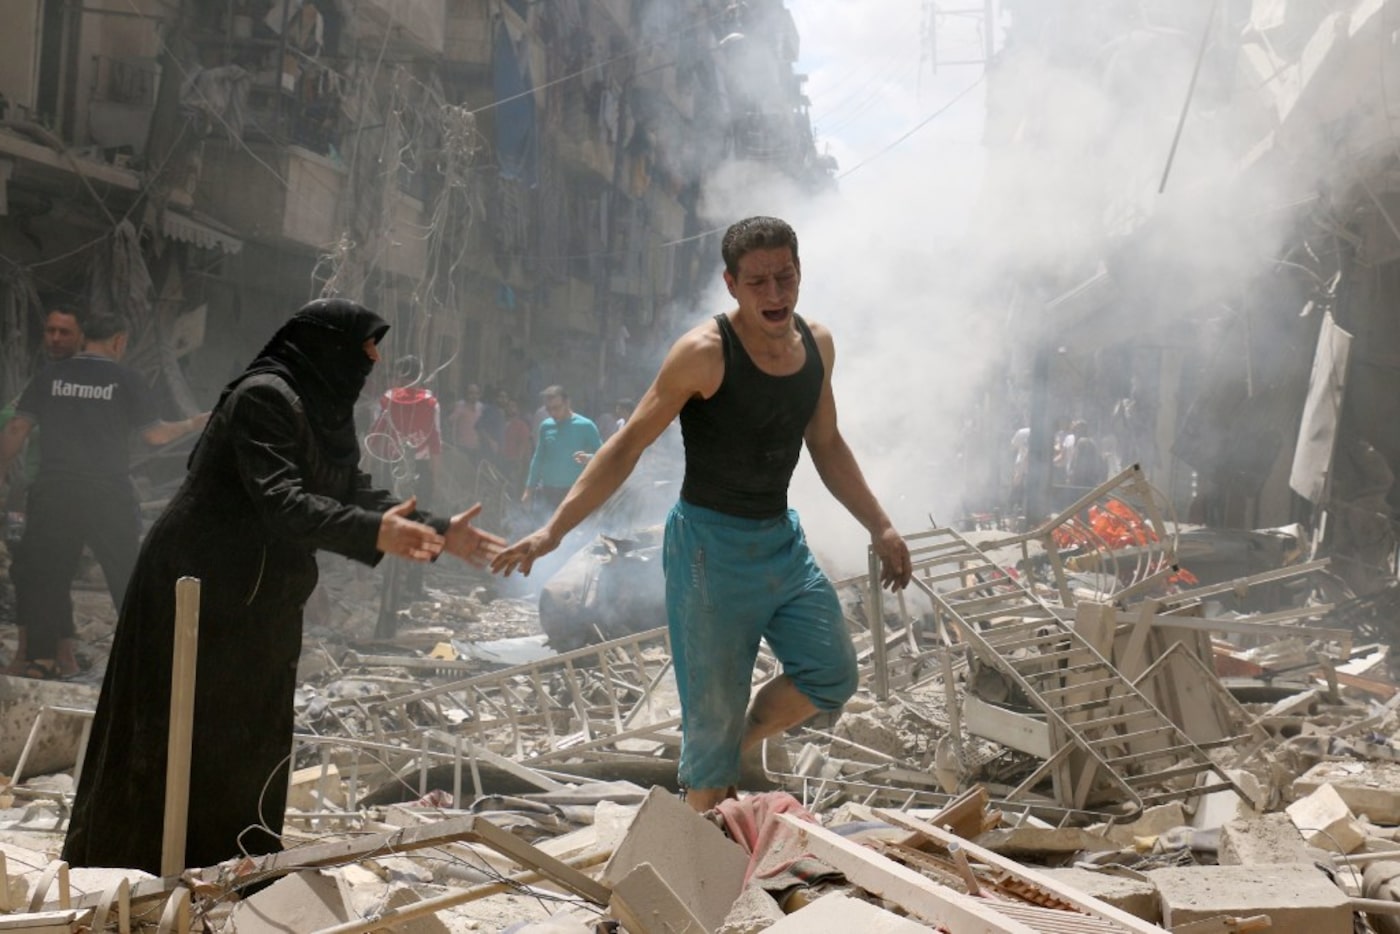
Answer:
(515, 186)
(1206, 246)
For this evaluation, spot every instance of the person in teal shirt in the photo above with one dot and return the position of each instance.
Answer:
(567, 442)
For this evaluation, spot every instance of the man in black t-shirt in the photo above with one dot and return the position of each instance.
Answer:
(88, 405)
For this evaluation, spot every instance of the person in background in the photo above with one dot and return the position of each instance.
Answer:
(566, 442)
(517, 443)
(274, 478)
(88, 404)
(461, 421)
(621, 411)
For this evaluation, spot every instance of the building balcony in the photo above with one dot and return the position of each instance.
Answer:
(298, 192)
(307, 210)
(467, 36)
(401, 24)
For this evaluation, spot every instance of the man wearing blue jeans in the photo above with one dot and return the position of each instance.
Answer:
(750, 387)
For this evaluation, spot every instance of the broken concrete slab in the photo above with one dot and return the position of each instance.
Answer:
(403, 896)
(842, 914)
(1029, 841)
(753, 912)
(1326, 822)
(1135, 896)
(1221, 807)
(645, 904)
(1369, 788)
(1298, 899)
(1153, 822)
(305, 901)
(1261, 841)
(707, 872)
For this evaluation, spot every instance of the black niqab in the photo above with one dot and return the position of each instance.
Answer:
(320, 353)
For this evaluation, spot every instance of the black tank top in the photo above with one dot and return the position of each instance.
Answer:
(742, 443)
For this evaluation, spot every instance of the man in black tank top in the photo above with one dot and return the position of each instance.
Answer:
(751, 387)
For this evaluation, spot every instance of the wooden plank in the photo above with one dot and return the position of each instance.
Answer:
(1081, 900)
(181, 739)
(1018, 731)
(915, 893)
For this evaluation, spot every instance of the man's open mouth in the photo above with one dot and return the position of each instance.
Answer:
(775, 314)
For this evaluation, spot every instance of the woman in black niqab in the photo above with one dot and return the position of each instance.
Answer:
(273, 479)
(320, 353)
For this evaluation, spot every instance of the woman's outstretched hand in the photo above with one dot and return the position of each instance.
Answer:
(402, 536)
(469, 543)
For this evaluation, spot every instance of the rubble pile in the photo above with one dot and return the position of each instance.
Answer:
(1065, 730)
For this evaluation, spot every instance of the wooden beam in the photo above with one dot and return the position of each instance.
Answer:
(912, 891)
(1081, 900)
(177, 756)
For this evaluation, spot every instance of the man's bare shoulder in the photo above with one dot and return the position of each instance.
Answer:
(695, 363)
(820, 332)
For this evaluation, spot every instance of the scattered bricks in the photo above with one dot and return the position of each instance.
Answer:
(1135, 896)
(841, 914)
(754, 912)
(1298, 899)
(645, 904)
(306, 901)
(1266, 840)
(1370, 788)
(703, 866)
(1326, 822)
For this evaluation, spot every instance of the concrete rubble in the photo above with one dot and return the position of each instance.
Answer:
(1056, 731)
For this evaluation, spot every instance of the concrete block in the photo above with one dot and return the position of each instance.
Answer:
(842, 914)
(754, 912)
(1369, 788)
(1298, 899)
(1135, 896)
(1220, 807)
(402, 897)
(703, 866)
(306, 901)
(1326, 822)
(645, 904)
(1262, 841)
(1153, 822)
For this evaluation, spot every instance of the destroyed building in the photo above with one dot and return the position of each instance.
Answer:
(1112, 718)
(1206, 192)
(512, 185)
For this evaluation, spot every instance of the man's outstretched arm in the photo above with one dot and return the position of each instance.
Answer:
(837, 467)
(689, 369)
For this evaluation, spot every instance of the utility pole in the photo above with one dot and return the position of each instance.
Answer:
(937, 15)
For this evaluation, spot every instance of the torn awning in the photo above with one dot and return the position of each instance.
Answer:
(202, 233)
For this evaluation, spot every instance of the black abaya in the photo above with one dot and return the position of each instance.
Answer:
(264, 492)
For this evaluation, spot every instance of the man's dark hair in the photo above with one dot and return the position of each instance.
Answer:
(69, 310)
(103, 327)
(755, 233)
(555, 392)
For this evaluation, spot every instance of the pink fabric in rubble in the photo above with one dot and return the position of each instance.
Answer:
(753, 823)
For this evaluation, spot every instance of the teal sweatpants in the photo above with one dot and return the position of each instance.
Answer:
(731, 581)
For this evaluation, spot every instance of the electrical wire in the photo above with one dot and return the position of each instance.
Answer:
(916, 128)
